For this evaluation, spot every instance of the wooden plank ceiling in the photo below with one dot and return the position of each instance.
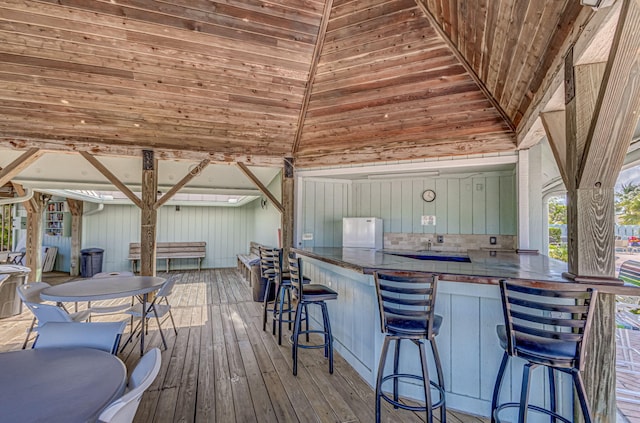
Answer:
(328, 82)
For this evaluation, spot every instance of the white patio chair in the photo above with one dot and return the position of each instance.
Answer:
(123, 410)
(158, 309)
(118, 308)
(103, 336)
(43, 313)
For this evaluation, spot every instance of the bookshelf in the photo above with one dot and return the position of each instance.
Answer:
(57, 219)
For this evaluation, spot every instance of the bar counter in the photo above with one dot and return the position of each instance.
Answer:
(486, 266)
(468, 299)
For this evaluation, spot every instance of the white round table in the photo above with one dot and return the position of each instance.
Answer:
(106, 289)
(58, 384)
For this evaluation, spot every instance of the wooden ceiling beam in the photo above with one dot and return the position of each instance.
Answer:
(317, 51)
(586, 30)
(261, 186)
(19, 164)
(112, 178)
(434, 23)
(103, 148)
(196, 171)
(556, 130)
(616, 112)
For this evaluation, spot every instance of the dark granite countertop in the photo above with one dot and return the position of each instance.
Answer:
(486, 267)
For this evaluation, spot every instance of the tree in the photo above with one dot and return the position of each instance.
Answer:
(628, 204)
(557, 211)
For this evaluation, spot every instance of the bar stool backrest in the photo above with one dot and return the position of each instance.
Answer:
(548, 317)
(268, 257)
(295, 275)
(406, 296)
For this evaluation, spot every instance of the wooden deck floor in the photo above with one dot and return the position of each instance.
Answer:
(221, 367)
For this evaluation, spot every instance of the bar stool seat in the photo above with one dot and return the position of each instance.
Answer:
(406, 302)
(411, 327)
(545, 327)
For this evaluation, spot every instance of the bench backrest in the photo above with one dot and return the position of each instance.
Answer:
(171, 247)
(630, 272)
(254, 248)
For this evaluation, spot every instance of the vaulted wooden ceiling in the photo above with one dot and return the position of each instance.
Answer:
(328, 82)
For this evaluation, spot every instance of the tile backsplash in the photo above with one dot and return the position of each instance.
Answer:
(451, 242)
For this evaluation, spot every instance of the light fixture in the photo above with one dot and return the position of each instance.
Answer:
(263, 203)
(404, 175)
(232, 200)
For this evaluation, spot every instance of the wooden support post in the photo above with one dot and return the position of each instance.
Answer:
(260, 186)
(288, 190)
(35, 234)
(602, 105)
(76, 207)
(149, 214)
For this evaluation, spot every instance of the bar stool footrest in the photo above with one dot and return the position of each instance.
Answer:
(310, 346)
(531, 407)
(438, 404)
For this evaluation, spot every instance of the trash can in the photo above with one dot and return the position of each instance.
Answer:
(259, 286)
(10, 303)
(90, 262)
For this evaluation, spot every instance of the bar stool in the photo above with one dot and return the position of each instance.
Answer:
(406, 301)
(271, 270)
(309, 294)
(546, 328)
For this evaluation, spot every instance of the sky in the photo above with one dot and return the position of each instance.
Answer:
(631, 175)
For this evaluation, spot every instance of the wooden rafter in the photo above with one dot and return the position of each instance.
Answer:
(317, 51)
(261, 186)
(465, 64)
(185, 180)
(586, 30)
(112, 178)
(618, 107)
(19, 164)
(555, 127)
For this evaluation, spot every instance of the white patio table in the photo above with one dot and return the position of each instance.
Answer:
(106, 289)
(58, 384)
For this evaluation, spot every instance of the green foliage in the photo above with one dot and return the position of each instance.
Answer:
(555, 235)
(559, 251)
(628, 204)
(5, 230)
(557, 211)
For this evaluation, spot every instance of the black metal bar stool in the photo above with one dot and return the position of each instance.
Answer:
(547, 328)
(406, 301)
(309, 294)
(271, 270)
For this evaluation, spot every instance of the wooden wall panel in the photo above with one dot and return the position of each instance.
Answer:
(226, 230)
(459, 208)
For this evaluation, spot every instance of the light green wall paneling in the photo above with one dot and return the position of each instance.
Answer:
(324, 204)
(479, 216)
(508, 205)
(226, 230)
(492, 197)
(466, 206)
(452, 210)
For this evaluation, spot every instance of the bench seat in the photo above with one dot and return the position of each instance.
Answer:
(249, 264)
(171, 250)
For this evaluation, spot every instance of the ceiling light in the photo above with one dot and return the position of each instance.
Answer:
(232, 200)
(404, 175)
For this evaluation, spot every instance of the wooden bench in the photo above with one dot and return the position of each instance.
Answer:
(249, 264)
(171, 250)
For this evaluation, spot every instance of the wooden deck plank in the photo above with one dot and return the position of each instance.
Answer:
(221, 367)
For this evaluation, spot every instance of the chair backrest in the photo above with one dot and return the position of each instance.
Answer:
(103, 336)
(295, 275)
(268, 259)
(46, 313)
(102, 275)
(547, 317)
(30, 292)
(123, 410)
(406, 296)
(167, 287)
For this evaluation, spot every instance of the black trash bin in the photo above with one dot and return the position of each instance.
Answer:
(90, 261)
(259, 288)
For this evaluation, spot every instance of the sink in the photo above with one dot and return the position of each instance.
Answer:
(433, 255)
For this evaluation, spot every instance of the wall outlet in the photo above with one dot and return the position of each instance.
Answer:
(440, 239)
(493, 240)
(307, 236)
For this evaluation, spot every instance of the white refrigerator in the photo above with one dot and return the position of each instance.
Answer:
(362, 232)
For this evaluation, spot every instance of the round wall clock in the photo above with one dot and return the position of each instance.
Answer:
(429, 195)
